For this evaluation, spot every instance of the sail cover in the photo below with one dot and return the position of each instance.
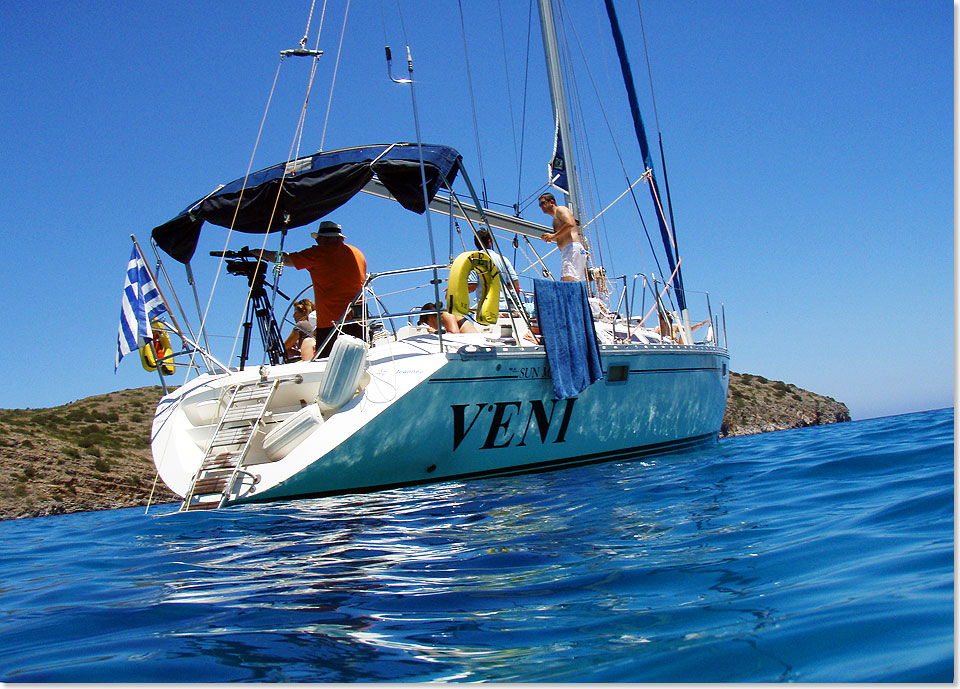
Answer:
(307, 188)
(669, 242)
(558, 165)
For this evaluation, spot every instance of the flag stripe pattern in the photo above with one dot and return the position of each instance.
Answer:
(141, 304)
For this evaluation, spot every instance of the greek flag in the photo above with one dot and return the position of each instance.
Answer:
(141, 304)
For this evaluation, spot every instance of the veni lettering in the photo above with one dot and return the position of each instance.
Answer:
(511, 423)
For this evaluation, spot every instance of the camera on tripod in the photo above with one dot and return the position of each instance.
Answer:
(244, 262)
(244, 267)
(249, 264)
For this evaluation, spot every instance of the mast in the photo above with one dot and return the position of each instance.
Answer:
(559, 97)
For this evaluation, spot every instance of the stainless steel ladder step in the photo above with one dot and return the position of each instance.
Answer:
(256, 391)
(202, 505)
(221, 460)
(231, 436)
(242, 413)
(211, 484)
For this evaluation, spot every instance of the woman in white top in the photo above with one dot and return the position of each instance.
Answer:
(301, 341)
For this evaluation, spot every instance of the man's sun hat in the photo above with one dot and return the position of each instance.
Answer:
(327, 229)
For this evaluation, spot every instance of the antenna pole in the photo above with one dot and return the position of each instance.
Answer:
(423, 174)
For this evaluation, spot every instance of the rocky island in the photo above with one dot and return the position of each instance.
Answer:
(758, 405)
(94, 453)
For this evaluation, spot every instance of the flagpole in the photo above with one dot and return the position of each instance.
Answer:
(160, 268)
(159, 291)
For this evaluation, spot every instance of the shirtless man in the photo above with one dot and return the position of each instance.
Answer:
(573, 257)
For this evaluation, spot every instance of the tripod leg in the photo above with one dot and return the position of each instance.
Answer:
(245, 346)
(269, 330)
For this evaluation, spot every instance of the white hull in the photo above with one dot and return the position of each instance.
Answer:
(411, 408)
(475, 409)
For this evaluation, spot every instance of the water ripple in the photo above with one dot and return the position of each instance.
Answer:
(821, 554)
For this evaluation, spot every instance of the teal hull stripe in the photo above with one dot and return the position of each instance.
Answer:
(535, 467)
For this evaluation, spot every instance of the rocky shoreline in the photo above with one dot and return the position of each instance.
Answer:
(758, 405)
(94, 453)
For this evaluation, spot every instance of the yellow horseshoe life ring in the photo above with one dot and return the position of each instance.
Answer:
(488, 291)
(157, 348)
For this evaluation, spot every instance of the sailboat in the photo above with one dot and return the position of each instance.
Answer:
(553, 377)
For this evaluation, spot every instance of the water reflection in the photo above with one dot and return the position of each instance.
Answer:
(464, 576)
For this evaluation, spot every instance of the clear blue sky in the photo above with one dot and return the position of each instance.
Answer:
(809, 145)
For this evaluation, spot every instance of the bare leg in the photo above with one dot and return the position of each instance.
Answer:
(307, 348)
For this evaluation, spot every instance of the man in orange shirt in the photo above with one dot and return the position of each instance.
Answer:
(338, 272)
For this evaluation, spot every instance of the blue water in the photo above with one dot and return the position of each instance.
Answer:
(821, 554)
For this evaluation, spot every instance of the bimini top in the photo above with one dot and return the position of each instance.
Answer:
(307, 188)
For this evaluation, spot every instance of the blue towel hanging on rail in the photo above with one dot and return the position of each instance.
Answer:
(566, 326)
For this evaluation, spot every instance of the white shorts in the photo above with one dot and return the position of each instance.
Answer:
(573, 261)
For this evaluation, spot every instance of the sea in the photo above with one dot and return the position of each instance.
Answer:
(822, 554)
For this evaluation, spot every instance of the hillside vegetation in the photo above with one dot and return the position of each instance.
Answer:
(86, 455)
(95, 453)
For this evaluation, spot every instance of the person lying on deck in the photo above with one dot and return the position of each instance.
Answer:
(674, 328)
(450, 322)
